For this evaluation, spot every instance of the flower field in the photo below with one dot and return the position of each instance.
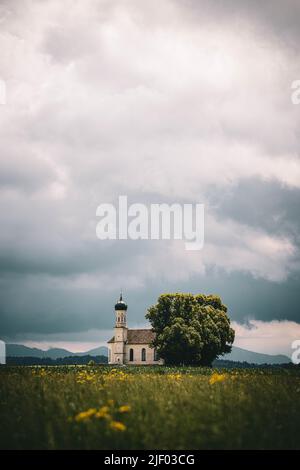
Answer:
(99, 407)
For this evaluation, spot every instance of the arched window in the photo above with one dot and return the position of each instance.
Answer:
(131, 354)
(143, 354)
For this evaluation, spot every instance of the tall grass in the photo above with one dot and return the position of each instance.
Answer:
(94, 407)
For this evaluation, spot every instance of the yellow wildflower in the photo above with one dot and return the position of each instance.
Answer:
(217, 378)
(125, 409)
(175, 376)
(117, 426)
(84, 415)
(103, 413)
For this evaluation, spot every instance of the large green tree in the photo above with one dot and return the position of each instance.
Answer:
(190, 329)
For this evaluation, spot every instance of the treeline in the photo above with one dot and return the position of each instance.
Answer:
(246, 365)
(47, 361)
(85, 360)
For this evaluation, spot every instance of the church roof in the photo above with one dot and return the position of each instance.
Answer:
(144, 336)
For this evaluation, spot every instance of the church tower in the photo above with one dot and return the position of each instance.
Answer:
(120, 331)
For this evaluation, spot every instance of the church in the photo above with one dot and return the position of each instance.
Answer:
(130, 346)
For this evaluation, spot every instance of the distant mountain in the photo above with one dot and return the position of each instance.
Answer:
(18, 350)
(242, 355)
(101, 351)
(237, 354)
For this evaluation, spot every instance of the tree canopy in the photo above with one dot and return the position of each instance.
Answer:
(190, 329)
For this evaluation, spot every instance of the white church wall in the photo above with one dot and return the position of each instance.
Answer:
(119, 350)
(137, 354)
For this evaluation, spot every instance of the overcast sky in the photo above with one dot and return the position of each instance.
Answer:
(162, 101)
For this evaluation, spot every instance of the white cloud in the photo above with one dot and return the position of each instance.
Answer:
(272, 337)
(237, 247)
(125, 98)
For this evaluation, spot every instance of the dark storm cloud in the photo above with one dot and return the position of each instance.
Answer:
(267, 204)
(64, 259)
(272, 16)
(186, 103)
(32, 175)
(56, 309)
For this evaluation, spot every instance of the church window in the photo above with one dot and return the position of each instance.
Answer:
(143, 354)
(131, 354)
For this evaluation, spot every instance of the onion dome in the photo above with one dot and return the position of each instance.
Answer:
(120, 305)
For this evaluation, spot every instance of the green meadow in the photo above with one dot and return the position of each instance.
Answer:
(98, 407)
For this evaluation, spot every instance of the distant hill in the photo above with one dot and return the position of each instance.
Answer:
(46, 361)
(242, 355)
(236, 355)
(101, 351)
(18, 350)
